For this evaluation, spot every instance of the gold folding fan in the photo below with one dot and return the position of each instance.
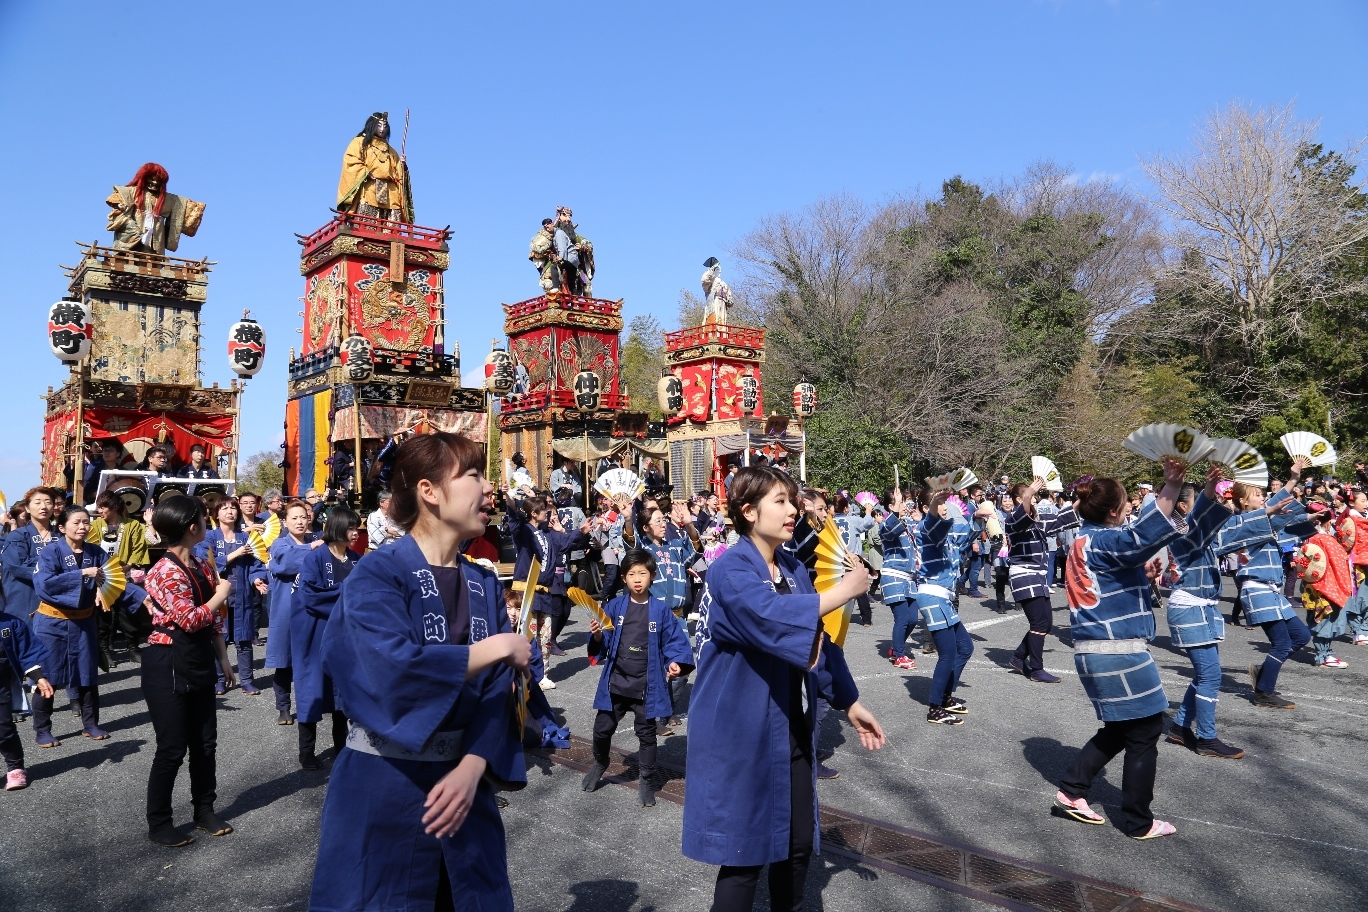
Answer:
(114, 581)
(585, 600)
(830, 565)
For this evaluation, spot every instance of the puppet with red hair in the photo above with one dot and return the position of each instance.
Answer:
(146, 217)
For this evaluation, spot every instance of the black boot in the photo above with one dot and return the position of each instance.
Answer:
(646, 789)
(591, 778)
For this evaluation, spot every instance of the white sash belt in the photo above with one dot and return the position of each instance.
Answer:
(1111, 647)
(933, 589)
(442, 748)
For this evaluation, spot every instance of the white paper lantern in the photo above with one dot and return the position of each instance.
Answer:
(70, 330)
(246, 347)
(750, 394)
(670, 392)
(587, 391)
(804, 400)
(498, 372)
(358, 358)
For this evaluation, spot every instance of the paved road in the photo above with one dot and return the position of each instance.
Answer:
(1283, 828)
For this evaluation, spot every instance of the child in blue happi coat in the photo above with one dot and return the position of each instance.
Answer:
(21, 656)
(550, 733)
(643, 651)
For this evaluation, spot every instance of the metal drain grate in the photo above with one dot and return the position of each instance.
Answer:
(1011, 883)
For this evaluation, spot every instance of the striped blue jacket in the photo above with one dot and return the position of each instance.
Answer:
(898, 575)
(940, 543)
(1265, 558)
(1028, 550)
(1213, 532)
(1109, 593)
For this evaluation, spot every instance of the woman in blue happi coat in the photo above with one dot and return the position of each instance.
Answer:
(941, 539)
(422, 659)
(1194, 613)
(286, 557)
(67, 582)
(641, 653)
(537, 534)
(226, 545)
(1112, 619)
(22, 547)
(672, 553)
(1261, 580)
(898, 579)
(1029, 569)
(750, 794)
(316, 591)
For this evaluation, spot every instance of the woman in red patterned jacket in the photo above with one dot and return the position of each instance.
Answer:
(178, 669)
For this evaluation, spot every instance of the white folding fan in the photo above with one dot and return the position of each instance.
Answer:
(1042, 467)
(1313, 446)
(1158, 442)
(963, 478)
(620, 481)
(1239, 461)
(939, 482)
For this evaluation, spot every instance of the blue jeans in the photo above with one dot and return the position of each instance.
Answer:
(970, 580)
(1050, 566)
(954, 646)
(904, 619)
(1286, 637)
(1199, 703)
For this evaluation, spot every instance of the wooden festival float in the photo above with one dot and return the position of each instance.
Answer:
(129, 330)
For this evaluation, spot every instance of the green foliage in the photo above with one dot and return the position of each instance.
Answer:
(260, 472)
(643, 358)
(852, 451)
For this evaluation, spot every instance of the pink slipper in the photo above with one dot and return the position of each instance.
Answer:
(1157, 829)
(15, 780)
(1075, 809)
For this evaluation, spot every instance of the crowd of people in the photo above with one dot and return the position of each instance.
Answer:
(705, 614)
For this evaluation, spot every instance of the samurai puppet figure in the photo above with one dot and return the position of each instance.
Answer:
(375, 178)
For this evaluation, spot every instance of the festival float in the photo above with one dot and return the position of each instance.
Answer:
(566, 399)
(713, 377)
(373, 363)
(128, 330)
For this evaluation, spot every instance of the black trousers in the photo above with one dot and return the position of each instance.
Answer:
(11, 748)
(1040, 617)
(1139, 738)
(308, 734)
(735, 890)
(606, 723)
(183, 723)
(87, 700)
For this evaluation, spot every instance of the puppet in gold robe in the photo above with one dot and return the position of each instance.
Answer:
(375, 178)
(146, 217)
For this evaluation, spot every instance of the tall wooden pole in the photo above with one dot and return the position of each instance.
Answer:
(356, 441)
(78, 463)
(239, 387)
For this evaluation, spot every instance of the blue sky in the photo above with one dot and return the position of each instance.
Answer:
(671, 130)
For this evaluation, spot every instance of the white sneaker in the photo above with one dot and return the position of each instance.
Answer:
(546, 684)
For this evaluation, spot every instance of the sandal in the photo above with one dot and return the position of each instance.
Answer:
(1157, 829)
(1075, 809)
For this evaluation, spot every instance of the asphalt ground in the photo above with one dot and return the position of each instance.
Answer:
(1283, 828)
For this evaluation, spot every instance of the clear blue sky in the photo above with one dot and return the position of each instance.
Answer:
(670, 129)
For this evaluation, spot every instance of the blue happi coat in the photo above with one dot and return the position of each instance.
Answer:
(316, 590)
(398, 676)
(898, 574)
(19, 560)
(1110, 599)
(1261, 578)
(545, 544)
(737, 797)
(73, 646)
(666, 642)
(26, 657)
(1028, 550)
(1194, 616)
(940, 546)
(287, 556)
(239, 621)
(853, 529)
(672, 556)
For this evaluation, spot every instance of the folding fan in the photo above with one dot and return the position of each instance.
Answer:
(256, 543)
(1042, 467)
(1238, 461)
(115, 580)
(830, 564)
(963, 478)
(1157, 442)
(270, 530)
(866, 500)
(585, 600)
(620, 481)
(529, 597)
(1312, 446)
(939, 482)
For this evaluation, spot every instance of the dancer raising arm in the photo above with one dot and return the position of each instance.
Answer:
(1113, 621)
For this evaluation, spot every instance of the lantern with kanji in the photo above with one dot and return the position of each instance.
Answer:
(498, 372)
(587, 391)
(357, 357)
(670, 392)
(70, 330)
(750, 394)
(804, 400)
(246, 347)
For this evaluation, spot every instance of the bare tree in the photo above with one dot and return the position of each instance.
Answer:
(1268, 236)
